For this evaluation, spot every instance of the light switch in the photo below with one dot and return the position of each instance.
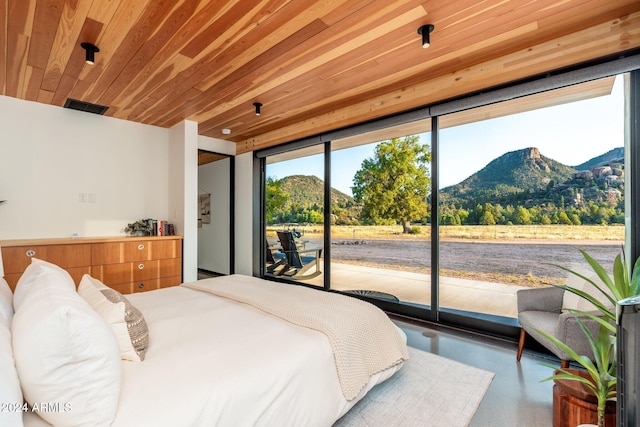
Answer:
(82, 197)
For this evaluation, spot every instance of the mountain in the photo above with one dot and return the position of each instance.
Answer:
(526, 177)
(306, 194)
(614, 156)
(306, 191)
(518, 178)
(512, 173)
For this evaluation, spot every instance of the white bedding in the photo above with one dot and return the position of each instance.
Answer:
(216, 362)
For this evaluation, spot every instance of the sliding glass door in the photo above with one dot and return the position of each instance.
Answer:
(526, 184)
(380, 237)
(294, 216)
(522, 186)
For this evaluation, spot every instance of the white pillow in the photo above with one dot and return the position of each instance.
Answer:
(10, 391)
(66, 354)
(126, 321)
(576, 302)
(6, 303)
(33, 270)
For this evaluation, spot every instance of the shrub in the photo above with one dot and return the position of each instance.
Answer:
(415, 230)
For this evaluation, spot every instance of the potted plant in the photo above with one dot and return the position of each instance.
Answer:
(141, 227)
(601, 379)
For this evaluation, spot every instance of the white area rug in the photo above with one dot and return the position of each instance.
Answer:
(429, 391)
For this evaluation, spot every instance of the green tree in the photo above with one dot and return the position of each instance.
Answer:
(394, 184)
(487, 219)
(563, 218)
(522, 216)
(276, 198)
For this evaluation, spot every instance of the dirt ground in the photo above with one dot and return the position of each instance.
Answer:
(523, 263)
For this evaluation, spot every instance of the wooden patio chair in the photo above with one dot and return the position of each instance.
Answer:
(297, 263)
(272, 263)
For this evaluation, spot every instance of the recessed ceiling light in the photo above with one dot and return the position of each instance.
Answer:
(226, 131)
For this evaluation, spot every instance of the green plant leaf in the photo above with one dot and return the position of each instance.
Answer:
(634, 283)
(621, 281)
(596, 302)
(600, 320)
(598, 269)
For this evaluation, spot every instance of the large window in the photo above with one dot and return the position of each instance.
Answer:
(380, 235)
(520, 185)
(294, 216)
(525, 184)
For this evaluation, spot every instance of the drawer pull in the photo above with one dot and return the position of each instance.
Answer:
(140, 266)
(140, 285)
(140, 247)
(31, 253)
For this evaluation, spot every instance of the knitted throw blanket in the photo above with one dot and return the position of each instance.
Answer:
(363, 339)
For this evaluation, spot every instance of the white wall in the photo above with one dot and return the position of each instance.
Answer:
(244, 214)
(183, 192)
(50, 155)
(214, 238)
(216, 145)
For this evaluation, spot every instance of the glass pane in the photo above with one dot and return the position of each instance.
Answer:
(526, 184)
(380, 234)
(295, 216)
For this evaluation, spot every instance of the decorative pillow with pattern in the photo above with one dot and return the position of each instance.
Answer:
(127, 322)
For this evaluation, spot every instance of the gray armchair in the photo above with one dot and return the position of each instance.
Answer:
(541, 308)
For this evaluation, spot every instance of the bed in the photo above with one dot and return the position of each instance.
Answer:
(216, 356)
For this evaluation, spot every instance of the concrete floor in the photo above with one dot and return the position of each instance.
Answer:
(516, 396)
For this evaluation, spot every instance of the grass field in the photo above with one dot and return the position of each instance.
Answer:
(472, 232)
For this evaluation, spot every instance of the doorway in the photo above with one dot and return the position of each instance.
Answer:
(215, 213)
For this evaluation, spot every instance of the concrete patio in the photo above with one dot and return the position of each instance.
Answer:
(460, 294)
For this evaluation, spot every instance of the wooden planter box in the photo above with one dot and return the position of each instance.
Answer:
(574, 404)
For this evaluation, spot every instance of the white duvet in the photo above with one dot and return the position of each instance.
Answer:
(216, 362)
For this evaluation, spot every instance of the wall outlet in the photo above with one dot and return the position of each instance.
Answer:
(92, 197)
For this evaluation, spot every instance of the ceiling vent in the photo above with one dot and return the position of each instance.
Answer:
(85, 106)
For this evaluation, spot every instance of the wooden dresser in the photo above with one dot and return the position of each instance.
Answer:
(127, 264)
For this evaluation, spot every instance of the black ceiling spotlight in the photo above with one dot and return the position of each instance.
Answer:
(91, 50)
(257, 105)
(425, 30)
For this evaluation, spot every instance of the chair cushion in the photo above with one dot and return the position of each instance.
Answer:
(576, 302)
(546, 322)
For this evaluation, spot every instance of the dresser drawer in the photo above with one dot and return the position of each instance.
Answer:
(144, 270)
(165, 249)
(167, 282)
(107, 253)
(113, 274)
(137, 251)
(75, 272)
(145, 285)
(170, 267)
(16, 259)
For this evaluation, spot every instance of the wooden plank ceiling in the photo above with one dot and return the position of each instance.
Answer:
(314, 65)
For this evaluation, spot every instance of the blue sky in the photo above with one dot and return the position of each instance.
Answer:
(569, 133)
